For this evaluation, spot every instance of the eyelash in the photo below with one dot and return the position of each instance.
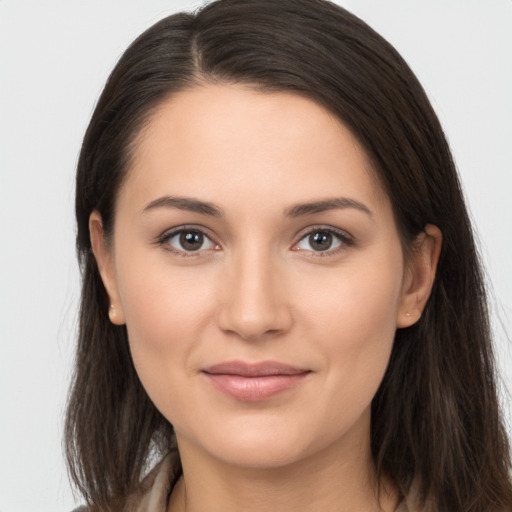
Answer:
(164, 239)
(344, 238)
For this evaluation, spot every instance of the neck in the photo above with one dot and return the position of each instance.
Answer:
(340, 478)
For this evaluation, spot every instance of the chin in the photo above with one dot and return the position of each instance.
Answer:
(262, 444)
(260, 454)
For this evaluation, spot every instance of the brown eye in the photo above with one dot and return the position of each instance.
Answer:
(187, 241)
(191, 240)
(322, 240)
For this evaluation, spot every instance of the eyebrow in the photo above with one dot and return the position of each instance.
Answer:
(336, 203)
(298, 210)
(184, 203)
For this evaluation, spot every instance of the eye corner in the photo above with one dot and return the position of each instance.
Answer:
(334, 236)
(165, 241)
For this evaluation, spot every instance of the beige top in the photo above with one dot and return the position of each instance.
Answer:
(155, 489)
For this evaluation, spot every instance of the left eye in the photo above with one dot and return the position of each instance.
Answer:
(320, 240)
(189, 240)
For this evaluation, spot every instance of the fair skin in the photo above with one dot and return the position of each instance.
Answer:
(261, 279)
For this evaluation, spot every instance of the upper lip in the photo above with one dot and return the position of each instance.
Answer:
(261, 369)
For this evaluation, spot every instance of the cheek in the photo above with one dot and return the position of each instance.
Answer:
(358, 301)
(356, 318)
(165, 313)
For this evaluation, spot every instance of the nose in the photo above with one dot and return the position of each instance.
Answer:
(253, 300)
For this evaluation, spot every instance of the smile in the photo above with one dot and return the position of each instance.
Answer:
(254, 382)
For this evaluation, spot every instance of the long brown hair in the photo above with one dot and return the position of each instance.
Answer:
(436, 428)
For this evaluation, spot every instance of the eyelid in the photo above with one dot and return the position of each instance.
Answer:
(347, 240)
(168, 234)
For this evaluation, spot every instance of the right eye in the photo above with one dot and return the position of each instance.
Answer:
(186, 242)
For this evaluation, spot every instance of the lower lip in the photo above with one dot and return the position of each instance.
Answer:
(254, 389)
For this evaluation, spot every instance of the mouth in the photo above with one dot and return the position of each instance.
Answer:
(249, 382)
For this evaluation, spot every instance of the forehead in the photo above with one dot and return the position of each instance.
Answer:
(230, 141)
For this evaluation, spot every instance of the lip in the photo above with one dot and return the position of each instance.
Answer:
(253, 382)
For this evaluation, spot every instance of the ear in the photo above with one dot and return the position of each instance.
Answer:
(419, 275)
(104, 259)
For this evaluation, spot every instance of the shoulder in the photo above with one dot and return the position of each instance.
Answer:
(153, 492)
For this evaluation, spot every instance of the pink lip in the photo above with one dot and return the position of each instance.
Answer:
(254, 382)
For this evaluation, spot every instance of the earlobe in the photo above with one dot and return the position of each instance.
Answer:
(103, 255)
(420, 275)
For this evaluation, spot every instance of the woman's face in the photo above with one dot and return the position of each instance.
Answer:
(258, 268)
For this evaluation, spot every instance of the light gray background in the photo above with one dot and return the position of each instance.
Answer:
(54, 58)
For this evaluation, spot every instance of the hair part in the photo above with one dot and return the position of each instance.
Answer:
(436, 430)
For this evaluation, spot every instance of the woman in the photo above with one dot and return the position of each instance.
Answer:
(281, 295)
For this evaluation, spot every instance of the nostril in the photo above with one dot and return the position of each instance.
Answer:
(252, 302)
(253, 323)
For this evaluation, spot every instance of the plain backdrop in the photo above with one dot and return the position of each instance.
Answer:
(54, 58)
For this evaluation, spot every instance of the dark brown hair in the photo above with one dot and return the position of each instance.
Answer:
(436, 429)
